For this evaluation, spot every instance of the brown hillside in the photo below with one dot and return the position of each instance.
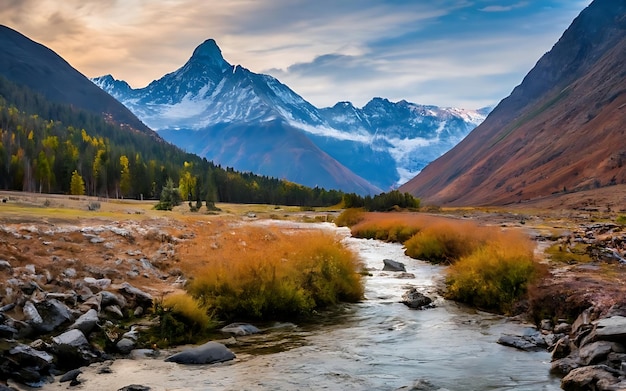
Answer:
(560, 131)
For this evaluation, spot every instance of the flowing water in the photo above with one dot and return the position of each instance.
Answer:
(378, 344)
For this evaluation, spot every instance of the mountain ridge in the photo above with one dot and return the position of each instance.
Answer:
(557, 132)
(375, 142)
(29, 63)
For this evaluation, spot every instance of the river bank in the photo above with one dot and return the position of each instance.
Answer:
(128, 243)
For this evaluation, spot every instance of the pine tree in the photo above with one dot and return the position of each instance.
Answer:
(77, 184)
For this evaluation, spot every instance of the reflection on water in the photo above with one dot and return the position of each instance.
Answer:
(378, 344)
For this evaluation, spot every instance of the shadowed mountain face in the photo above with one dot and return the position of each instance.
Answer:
(561, 130)
(28, 63)
(253, 122)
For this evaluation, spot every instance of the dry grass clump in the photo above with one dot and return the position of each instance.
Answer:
(350, 217)
(447, 241)
(188, 309)
(258, 273)
(569, 254)
(494, 275)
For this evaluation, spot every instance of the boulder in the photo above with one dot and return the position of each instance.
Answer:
(240, 329)
(393, 266)
(53, 313)
(74, 338)
(125, 345)
(86, 322)
(27, 365)
(531, 340)
(595, 377)
(71, 375)
(136, 295)
(414, 299)
(210, 352)
(611, 329)
(595, 352)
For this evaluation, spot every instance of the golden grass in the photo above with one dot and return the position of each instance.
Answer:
(187, 308)
(568, 254)
(496, 274)
(254, 272)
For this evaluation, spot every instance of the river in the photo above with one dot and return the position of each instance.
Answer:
(378, 344)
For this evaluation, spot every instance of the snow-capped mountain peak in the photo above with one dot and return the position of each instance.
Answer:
(384, 142)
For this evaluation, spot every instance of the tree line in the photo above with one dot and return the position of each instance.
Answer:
(49, 147)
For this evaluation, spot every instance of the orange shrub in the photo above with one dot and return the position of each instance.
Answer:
(266, 273)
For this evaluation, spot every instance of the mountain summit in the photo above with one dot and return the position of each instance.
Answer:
(253, 122)
(209, 53)
(560, 131)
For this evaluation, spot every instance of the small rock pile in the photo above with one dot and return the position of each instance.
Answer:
(59, 313)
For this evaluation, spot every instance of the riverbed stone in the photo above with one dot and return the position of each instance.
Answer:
(210, 352)
(415, 299)
(240, 329)
(531, 340)
(125, 345)
(393, 266)
(135, 387)
(53, 314)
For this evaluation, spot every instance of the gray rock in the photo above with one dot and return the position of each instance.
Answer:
(70, 375)
(414, 299)
(86, 322)
(5, 265)
(53, 314)
(565, 365)
(110, 298)
(595, 352)
(125, 345)
(240, 329)
(210, 352)
(611, 329)
(24, 353)
(74, 338)
(114, 310)
(135, 387)
(140, 297)
(562, 348)
(393, 266)
(531, 340)
(7, 332)
(562, 328)
(100, 284)
(31, 315)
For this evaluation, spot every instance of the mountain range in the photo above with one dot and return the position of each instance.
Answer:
(252, 122)
(560, 131)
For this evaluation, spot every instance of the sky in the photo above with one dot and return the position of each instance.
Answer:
(451, 53)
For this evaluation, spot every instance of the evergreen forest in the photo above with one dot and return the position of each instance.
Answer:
(49, 147)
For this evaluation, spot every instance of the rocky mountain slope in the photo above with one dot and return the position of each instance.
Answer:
(560, 131)
(253, 122)
(28, 63)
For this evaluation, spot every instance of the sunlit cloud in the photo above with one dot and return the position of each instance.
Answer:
(449, 53)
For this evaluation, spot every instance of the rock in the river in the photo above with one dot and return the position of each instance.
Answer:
(531, 340)
(210, 352)
(26, 365)
(240, 329)
(125, 345)
(595, 352)
(414, 299)
(393, 266)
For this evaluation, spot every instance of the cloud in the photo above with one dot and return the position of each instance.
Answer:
(449, 52)
(504, 8)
